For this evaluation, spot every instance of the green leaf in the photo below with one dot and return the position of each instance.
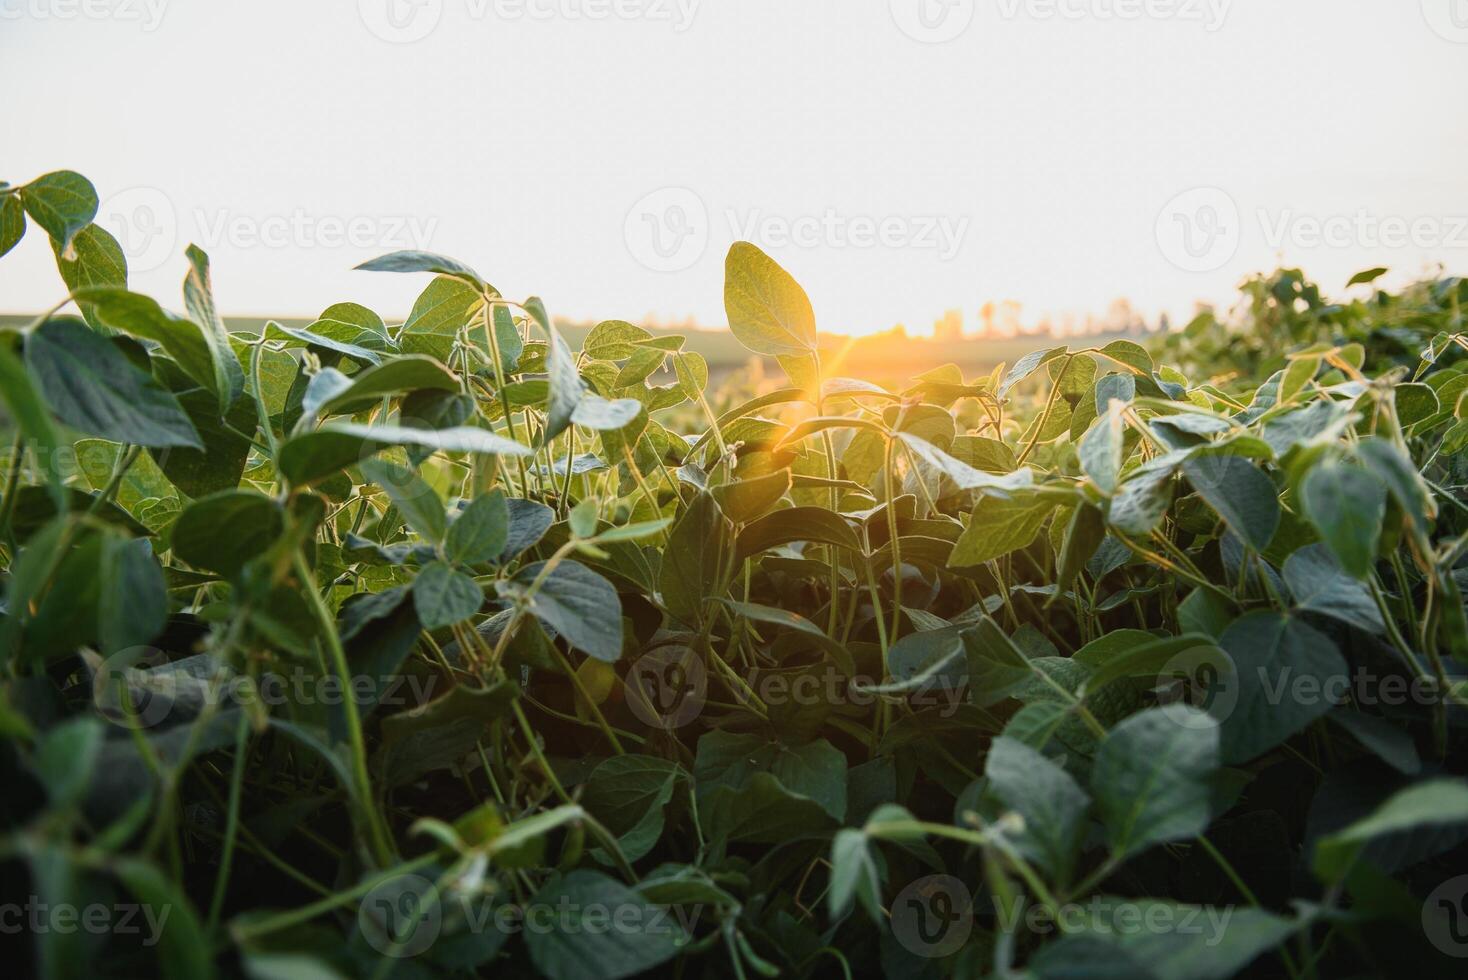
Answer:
(768, 311)
(796, 524)
(12, 222)
(762, 812)
(1240, 493)
(628, 794)
(296, 337)
(439, 312)
(65, 758)
(316, 455)
(566, 387)
(1027, 365)
(224, 530)
(443, 596)
(139, 316)
(580, 943)
(595, 412)
(93, 387)
(408, 260)
(1346, 504)
(222, 463)
(814, 770)
(1000, 525)
(578, 604)
(480, 531)
(1053, 805)
(95, 261)
(1319, 584)
(229, 378)
(697, 560)
(743, 501)
(1431, 803)
(132, 606)
(183, 950)
(1285, 674)
(964, 477)
(62, 202)
(614, 340)
(1130, 354)
(1100, 449)
(1152, 778)
(408, 372)
(28, 410)
(415, 499)
(854, 875)
(794, 621)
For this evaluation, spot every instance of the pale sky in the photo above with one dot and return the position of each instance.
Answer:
(899, 157)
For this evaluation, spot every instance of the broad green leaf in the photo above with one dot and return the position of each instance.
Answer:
(595, 412)
(1240, 493)
(697, 560)
(1286, 674)
(1346, 504)
(12, 222)
(414, 498)
(132, 605)
(443, 596)
(316, 455)
(964, 477)
(62, 202)
(1430, 803)
(1319, 584)
(65, 757)
(614, 340)
(1100, 449)
(743, 501)
(408, 260)
(628, 794)
(1027, 365)
(1152, 778)
(854, 875)
(226, 441)
(198, 290)
(480, 531)
(768, 311)
(578, 604)
(781, 617)
(581, 943)
(408, 372)
(95, 261)
(224, 530)
(28, 411)
(1053, 805)
(566, 387)
(93, 387)
(999, 525)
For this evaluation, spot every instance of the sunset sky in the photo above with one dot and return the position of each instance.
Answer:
(1061, 154)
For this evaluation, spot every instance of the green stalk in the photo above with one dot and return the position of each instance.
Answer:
(378, 838)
